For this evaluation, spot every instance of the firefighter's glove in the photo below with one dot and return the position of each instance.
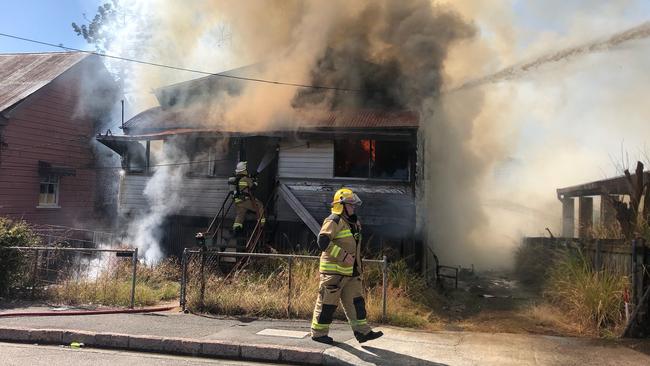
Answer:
(348, 259)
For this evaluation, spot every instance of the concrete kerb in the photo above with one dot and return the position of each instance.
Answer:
(113, 340)
(182, 346)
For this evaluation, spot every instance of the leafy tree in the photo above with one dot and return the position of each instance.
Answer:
(94, 32)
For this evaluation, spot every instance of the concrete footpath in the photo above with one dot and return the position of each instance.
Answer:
(286, 341)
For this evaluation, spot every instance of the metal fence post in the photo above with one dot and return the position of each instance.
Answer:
(183, 279)
(34, 273)
(384, 275)
(202, 292)
(134, 259)
(290, 260)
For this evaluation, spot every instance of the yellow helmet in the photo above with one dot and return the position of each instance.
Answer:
(344, 195)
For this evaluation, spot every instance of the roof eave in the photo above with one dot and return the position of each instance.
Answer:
(617, 185)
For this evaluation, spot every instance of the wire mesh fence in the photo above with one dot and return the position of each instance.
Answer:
(259, 284)
(75, 276)
(52, 235)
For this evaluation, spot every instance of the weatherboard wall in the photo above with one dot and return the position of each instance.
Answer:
(190, 197)
(47, 126)
(302, 159)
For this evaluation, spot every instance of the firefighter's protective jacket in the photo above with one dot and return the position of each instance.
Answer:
(245, 185)
(344, 239)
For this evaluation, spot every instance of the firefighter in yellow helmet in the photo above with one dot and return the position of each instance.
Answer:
(340, 271)
(244, 199)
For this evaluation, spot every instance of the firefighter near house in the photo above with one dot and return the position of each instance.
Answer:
(244, 199)
(340, 271)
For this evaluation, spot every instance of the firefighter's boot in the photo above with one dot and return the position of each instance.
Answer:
(323, 339)
(361, 338)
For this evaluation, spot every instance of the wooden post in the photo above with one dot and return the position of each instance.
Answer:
(607, 214)
(568, 218)
(585, 217)
(644, 267)
(598, 258)
(634, 275)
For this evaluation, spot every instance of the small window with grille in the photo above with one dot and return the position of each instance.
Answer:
(49, 191)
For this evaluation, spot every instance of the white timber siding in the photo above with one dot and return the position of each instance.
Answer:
(313, 161)
(199, 196)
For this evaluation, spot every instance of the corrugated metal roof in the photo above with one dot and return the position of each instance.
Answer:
(359, 119)
(21, 74)
(158, 119)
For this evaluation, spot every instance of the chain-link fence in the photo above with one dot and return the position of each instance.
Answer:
(273, 285)
(74, 237)
(75, 276)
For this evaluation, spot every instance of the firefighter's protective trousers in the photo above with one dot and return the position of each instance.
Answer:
(347, 290)
(251, 204)
(244, 202)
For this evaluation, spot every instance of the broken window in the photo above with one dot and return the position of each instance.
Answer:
(367, 158)
(135, 159)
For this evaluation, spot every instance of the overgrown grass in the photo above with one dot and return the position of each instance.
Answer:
(262, 291)
(593, 298)
(112, 286)
(589, 301)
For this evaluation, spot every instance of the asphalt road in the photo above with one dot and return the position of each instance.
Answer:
(24, 354)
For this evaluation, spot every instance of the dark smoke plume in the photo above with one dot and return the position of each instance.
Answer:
(391, 52)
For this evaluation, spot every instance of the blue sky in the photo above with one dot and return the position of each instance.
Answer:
(45, 20)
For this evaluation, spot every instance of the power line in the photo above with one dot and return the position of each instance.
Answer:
(178, 68)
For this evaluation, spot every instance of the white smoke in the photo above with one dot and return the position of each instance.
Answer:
(557, 124)
(163, 193)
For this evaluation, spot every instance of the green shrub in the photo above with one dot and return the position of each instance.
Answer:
(13, 264)
(533, 262)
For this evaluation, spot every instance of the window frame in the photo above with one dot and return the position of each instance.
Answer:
(373, 141)
(47, 180)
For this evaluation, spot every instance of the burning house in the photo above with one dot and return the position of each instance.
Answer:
(299, 164)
